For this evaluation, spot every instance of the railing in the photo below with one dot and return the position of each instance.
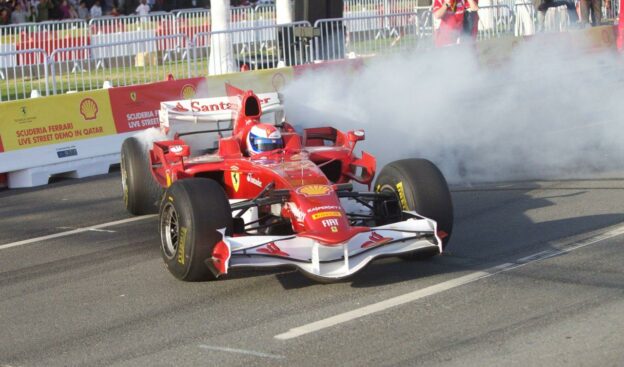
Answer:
(19, 80)
(119, 64)
(47, 36)
(368, 35)
(610, 9)
(367, 8)
(253, 48)
(110, 29)
(145, 54)
(495, 21)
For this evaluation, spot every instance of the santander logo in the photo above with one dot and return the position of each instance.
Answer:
(273, 249)
(375, 239)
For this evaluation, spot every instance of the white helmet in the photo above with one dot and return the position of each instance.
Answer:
(263, 138)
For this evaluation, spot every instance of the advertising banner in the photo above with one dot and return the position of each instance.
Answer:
(56, 119)
(136, 107)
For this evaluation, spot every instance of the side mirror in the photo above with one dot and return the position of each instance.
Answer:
(356, 135)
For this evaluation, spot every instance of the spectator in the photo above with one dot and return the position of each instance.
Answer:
(96, 9)
(143, 9)
(595, 8)
(115, 12)
(64, 10)
(83, 12)
(19, 15)
(451, 16)
(107, 6)
(43, 10)
(5, 18)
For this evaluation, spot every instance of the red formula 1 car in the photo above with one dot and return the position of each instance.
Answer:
(236, 186)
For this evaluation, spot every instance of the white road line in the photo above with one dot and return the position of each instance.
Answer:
(389, 303)
(241, 351)
(444, 286)
(91, 229)
(74, 231)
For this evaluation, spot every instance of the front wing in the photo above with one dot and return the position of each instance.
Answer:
(338, 260)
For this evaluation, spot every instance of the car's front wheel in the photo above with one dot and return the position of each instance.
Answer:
(420, 186)
(194, 213)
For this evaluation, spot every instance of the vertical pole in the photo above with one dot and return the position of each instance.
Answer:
(221, 58)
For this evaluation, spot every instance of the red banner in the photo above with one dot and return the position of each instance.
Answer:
(136, 107)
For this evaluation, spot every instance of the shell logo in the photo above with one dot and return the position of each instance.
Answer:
(188, 91)
(88, 109)
(314, 190)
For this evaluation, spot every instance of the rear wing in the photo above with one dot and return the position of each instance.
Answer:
(219, 109)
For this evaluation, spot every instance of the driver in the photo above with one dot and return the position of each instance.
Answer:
(263, 138)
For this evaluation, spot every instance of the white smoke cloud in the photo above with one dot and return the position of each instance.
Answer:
(550, 111)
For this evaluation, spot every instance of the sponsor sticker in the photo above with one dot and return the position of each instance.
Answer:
(253, 180)
(273, 249)
(235, 180)
(188, 91)
(182, 246)
(175, 149)
(375, 239)
(314, 190)
(324, 207)
(328, 223)
(88, 109)
(321, 215)
(402, 198)
(66, 152)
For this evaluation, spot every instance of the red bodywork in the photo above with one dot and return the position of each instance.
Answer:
(310, 166)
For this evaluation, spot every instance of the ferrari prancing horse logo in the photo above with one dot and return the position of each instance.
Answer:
(235, 180)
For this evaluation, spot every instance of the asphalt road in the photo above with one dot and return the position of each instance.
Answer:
(533, 277)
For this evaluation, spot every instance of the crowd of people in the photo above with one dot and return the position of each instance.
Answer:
(24, 11)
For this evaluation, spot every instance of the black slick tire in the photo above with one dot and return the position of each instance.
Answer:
(192, 212)
(420, 186)
(141, 192)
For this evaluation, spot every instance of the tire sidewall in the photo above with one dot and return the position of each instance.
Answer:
(420, 187)
(199, 221)
(141, 192)
(180, 263)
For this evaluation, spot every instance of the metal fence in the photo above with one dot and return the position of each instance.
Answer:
(367, 8)
(495, 21)
(368, 35)
(254, 48)
(47, 36)
(75, 56)
(26, 79)
(129, 62)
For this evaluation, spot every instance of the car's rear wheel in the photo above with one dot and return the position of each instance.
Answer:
(420, 186)
(192, 213)
(141, 192)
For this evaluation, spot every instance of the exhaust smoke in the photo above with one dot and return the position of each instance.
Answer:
(551, 111)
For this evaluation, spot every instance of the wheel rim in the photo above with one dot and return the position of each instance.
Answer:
(170, 231)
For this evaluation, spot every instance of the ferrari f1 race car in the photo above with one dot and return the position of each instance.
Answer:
(235, 185)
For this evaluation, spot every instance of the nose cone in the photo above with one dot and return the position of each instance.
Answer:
(324, 218)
